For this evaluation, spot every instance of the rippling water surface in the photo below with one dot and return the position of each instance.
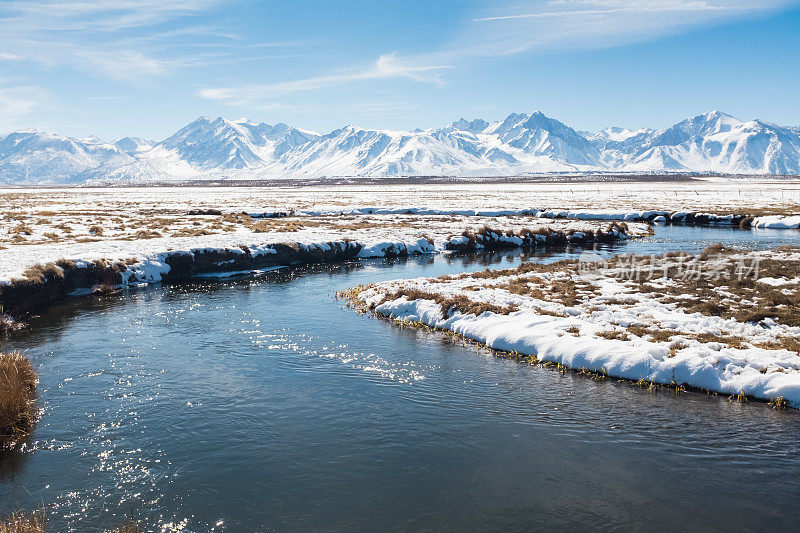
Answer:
(261, 404)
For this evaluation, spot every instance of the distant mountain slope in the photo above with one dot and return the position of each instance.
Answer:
(521, 143)
(33, 157)
(720, 143)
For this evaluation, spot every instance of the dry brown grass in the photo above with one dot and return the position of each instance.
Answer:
(548, 312)
(450, 305)
(17, 397)
(523, 288)
(655, 334)
(362, 224)
(733, 341)
(105, 289)
(191, 232)
(236, 218)
(566, 265)
(23, 523)
(22, 229)
(613, 334)
(20, 522)
(146, 234)
(38, 272)
(751, 301)
(784, 342)
(280, 225)
(675, 347)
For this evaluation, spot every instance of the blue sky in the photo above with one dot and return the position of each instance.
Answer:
(148, 67)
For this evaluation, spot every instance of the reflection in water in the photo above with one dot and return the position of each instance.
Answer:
(256, 404)
(12, 461)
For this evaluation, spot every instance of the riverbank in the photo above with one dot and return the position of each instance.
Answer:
(32, 276)
(60, 242)
(724, 321)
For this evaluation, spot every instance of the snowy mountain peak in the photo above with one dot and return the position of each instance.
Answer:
(218, 148)
(718, 115)
(617, 134)
(133, 145)
(715, 121)
(511, 121)
(472, 126)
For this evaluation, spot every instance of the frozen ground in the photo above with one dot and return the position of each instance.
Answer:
(726, 321)
(42, 225)
(67, 215)
(379, 235)
(714, 195)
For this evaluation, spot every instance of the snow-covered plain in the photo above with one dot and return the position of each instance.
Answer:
(41, 225)
(611, 324)
(716, 195)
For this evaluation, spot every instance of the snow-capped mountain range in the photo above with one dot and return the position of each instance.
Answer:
(520, 144)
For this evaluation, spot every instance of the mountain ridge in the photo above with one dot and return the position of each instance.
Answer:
(521, 143)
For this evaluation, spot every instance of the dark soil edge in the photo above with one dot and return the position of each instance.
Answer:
(57, 281)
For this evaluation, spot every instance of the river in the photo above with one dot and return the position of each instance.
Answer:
(264, 404)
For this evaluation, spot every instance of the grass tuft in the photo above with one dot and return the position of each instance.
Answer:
(39, 272)
(17, 397)
(23, 523)
(22, 229)
(450, 305)
(105, 289)
(613, 334)
(8, 324)
(779, 404)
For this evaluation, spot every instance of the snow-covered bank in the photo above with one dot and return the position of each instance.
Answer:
(694, 218)
(137, 226)
(729, 330)
(377, 235)
(36, 275)
(777, 222)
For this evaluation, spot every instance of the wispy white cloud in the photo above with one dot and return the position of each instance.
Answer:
(613, 8)
(510, 27)
(519, 26)
(17, 103)
(132, 40)
(124, 39)
(99, 15)
(387, 66)
(106, 98)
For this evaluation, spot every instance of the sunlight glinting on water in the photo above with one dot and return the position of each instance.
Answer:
(163, 396)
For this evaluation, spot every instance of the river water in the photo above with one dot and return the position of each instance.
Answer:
(264, 404)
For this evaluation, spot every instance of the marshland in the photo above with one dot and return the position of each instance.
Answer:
(256, 400)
